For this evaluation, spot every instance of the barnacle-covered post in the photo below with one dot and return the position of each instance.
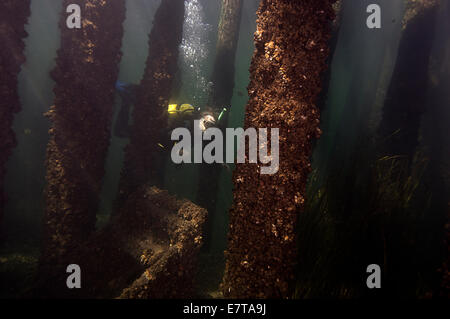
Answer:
(85, 75)
(227, 40)
(144, 155)
(434, 143)
(13, 17)
(291, 52)
(222, 91)
(407, 93)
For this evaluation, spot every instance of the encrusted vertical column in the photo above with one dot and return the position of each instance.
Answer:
(86, 71)
(291, 52)
(227, 40)
(222, 92)
(13, 17)
(407, 93)
(143, 156)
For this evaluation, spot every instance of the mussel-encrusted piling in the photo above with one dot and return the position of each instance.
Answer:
(85, 75)
(222, 92)
(144, 155)
(406, 98)
(13, 17)
(291, 52)
(227, 40)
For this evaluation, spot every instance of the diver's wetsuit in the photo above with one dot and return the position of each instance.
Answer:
(127, 93)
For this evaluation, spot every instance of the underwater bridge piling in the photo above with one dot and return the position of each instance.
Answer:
(143, 156)
(227, 41)
(86, 70)
(400, 133)
(407, 94)
(13, 17)
(221, 94)
(285, 80)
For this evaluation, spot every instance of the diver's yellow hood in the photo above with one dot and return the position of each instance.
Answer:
(177, 109)
(172, 109)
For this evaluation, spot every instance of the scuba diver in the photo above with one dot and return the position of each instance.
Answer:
(179, 115)
(184, 115)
